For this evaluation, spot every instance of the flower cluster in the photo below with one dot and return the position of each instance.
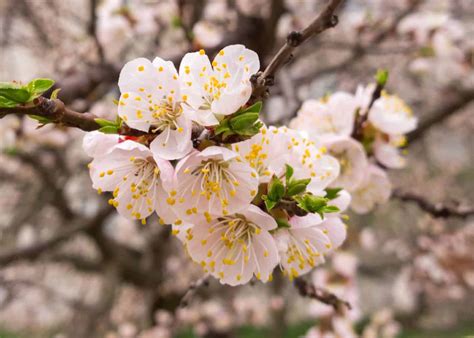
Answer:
(244, 198)
(365, 132)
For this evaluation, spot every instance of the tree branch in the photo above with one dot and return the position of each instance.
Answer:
(437, 210)
(325, 20)
(37, 249)
(193, 288)
(306, 289)
(439, 114)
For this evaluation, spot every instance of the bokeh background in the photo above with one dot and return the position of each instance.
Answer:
(71, 267)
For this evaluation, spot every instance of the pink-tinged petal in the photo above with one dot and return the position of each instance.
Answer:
(375, 189)
(174, 144)
(260, 218)
(392, 116)
(97, 144)
(138, 75)
(335, 229)
(388, 155)
(353, 161)
(230, 101)
(342, 201)
(133, 108)
(305, 221)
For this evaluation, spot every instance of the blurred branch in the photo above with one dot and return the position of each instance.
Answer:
(307, 289)
(192, 290)
(439, 114)
(359, 51)
(92, 29)
(35, 250)
(437, 210)
(325, 20)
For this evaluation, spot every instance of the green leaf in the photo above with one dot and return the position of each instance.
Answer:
(276, 190)
(282, 223)
(252, 130)
(296, 187)
(41, 119)
(14, 92)
(311, 203)
(381, 77)
(54, 94)
(109, 130)
(330, 209)
(270, 204)
(255, 108)
(105, 123)
(37, 87)
(288, 173)
(243, 121)
(332, 193)
(222, 127)
(7, 103)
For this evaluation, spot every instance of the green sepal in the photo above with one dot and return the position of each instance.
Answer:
(295, 187)
(276, 190)
(105, 123)
(282, 223)
(288, 172)
(109, 129)
(332, 193)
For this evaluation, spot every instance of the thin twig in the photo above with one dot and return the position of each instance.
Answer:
(193, 288)
(437, 210)
(441, 113)
(307, 289)
(325, 20)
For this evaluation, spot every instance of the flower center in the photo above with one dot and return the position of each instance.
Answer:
(165, 115)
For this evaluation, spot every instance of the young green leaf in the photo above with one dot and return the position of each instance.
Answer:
(54, 94)
(14, 92)
(332, 193)
(37, 87)
(381, 77)
(330, 209)
(41, 119)
(109, 130)
(105, 123)
(255, 108)
(222, 127)
(7, 103)
(296, 187)
(312, 203)
(243, 121)
(270, 204)
(276, 190)
(288, 173)
(282, 223)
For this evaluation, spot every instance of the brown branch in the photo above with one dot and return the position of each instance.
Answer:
(37, 249)
(55, 111)
(193, 288)
(439, 114)
(325, 20)
(437, 210)
(307, 289)
(92, 29)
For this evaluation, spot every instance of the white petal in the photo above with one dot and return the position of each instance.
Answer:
(97, 144)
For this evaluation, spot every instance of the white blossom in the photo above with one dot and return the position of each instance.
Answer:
(304, 244)
(352, 160)
(375, 189)
(151, 99)
(391, 115)
(331, 116)
(217, 89)
(137, 179)
(235, 247)
(213, 182)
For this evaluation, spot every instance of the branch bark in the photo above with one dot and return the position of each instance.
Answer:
(307, 289)
(325, 20)
(437, 210)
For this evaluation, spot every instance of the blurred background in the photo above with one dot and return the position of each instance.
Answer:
(70, 266)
